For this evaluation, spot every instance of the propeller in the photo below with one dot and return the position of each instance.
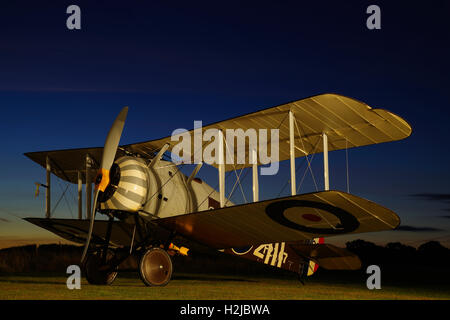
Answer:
(102, 179)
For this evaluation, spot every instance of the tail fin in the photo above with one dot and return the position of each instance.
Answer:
(312, 266)
(326, 255)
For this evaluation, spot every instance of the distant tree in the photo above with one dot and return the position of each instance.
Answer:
(399, 246)
(358, 245)
(432, 247)
(368, 252)
(434, 254)
(399, 253)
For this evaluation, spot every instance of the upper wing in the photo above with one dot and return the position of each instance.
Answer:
(287, 219)
(347, 122)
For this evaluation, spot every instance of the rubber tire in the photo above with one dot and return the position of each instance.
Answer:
(155, 267)
(96, 276)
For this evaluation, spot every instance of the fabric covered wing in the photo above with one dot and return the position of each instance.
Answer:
(66, 164)
(302, 217)
(347, 122)
(76, 230)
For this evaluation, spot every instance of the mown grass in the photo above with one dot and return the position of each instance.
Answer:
(210, 287)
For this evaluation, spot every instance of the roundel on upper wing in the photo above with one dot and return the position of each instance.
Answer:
(287, 213)
(311, 217)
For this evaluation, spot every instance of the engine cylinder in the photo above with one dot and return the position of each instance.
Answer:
(128, 188)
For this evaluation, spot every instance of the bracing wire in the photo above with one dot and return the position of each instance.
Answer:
(235, 171)
(307, 159)
(61, 197)
(66, 200)
(242, 180)
(234, 186)
(346, 165)
(306, 170)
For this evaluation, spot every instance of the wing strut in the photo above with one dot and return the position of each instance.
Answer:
(88, 186)
(194, 173)
(158, 157)
(221, 169)
(47, 193)
(80, 196)
(292, 152)
(255, 176)
(325, 162)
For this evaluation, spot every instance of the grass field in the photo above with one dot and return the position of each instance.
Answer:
(195, 287)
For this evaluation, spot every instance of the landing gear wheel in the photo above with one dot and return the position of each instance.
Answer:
(155, 267)
(98, 273)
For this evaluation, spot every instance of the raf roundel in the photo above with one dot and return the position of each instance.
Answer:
(276, 210)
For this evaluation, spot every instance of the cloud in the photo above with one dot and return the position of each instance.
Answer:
(433, 196)
(417, 229)
(439, 197)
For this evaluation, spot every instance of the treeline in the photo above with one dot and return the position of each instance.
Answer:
(34, 258)
(430, 254)
(400, 265)
(392, 257)
(56, 258)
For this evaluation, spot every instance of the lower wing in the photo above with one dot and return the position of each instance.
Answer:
(290, 219)
(76, 230)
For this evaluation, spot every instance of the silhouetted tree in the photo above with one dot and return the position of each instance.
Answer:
(398, 253)
(434, 254)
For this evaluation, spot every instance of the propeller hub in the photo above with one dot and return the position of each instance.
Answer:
(102, 180)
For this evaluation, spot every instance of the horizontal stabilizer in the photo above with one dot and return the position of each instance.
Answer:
(328, 256)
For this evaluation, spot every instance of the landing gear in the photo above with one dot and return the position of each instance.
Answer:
(302, 272)
(98, 271)
(301, 278)
(155, 267)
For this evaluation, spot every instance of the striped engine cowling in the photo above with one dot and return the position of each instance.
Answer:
(132, 175)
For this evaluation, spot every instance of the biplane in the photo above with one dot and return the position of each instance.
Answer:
(150, 204)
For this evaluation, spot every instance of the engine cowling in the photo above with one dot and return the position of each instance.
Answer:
(128, 188)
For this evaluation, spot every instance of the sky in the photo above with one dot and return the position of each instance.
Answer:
(176, 62)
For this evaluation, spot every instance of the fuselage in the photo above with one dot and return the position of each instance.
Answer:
(158, 191)
(162, 191)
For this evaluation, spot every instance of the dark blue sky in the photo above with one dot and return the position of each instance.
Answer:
(176, 62)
